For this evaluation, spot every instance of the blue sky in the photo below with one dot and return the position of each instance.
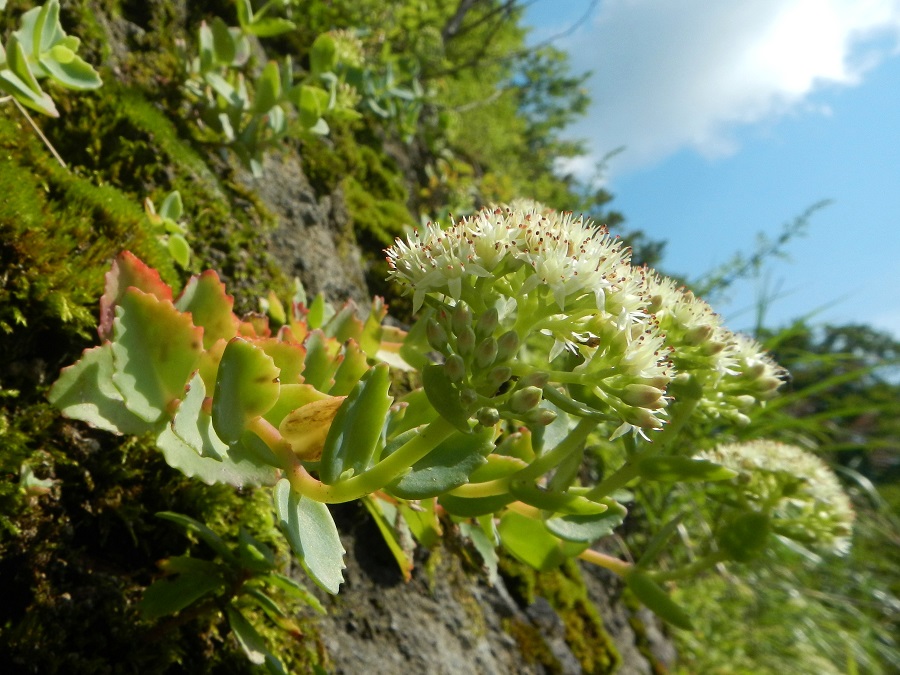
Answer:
(738, 115)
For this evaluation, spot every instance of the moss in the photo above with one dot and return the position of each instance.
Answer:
(532, 646)
(564, 589)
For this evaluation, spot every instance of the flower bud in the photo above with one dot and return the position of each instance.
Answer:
(540, 416)
(642, 396)
(699, 335)
(468, 397)
(465, 340)
(461, 318)
(525, 399)
(486, 353)
(437, 336)
(455, 368)
(487, 416)
(487, 323)
(507, 345)
(499, 375)
(643, 418)
(535, 380)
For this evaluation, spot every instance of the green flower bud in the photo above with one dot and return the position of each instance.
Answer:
(487, 416)
(437, 336)
(486, 353)
(699, 335)
(461, 318)
(465, 340)
(540, 417)
(487, 323)
(468, 397)
(455, 367)
(643, 396)
(534, 380)
(499, 375)
(525, 399)
(507, 345)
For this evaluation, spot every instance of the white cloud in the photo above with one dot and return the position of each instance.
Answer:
(673, 75)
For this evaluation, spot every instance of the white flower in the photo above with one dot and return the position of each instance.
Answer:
(794, 487)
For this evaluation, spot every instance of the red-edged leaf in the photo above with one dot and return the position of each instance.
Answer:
(246, 387)
(155, 350)
(210, 306)
(287, 356)
(128, 271)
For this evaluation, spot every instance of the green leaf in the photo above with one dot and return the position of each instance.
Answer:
(254, 554)
(180, 250)
(674, 469)
(244, 13)
(485, 548)
(17, 62)
(294, 589)
(251, 642)
(656, 599)
(154, 352)
(311, 103)
(246, 388)
(588, 528)
(204, 297)
(444, 397)
(351, 369)
(323, 55)
(354, 433)
(446, 467)
(321, 361)
(193, 425)
(288, 357)
(85, 391)
(168, 596)
(270, 27)
(213, 540)
(290, 398)
(309, 528)
(75, 73)
(223, 44)
(394, 531)
(128, 271)
(530, 542)
(39, 101)
(268, 89)
(172, 206)
(241, 467)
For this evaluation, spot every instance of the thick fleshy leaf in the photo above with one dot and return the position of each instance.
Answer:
(530, 542)
(179, 249)
(306, 428)
(288, 358)
(446, 467)
(444, 396)
(246, 388)
(588, 528)
(685, 469)
(268, 89)
(85, 391)
(213, 540)
(210, 306)
(254, 554)
(11, 83)
(321, 360)
(193, 424)
(351, 369)
(127, 271)
(240, 467)
(155, 350)
(353, 437)
(323, 54)
(471, 507)
(73, 73)
(656, 599)
(172, 207)
(291, 397)
(168, 596)
(270, 27)
(310, 529)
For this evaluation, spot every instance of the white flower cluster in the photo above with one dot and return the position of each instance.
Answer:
(557, 275)
(795, 487)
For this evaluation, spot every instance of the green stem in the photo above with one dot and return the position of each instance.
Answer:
(619, 567)
(692, 569)
(568, 445)
(361, 485)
